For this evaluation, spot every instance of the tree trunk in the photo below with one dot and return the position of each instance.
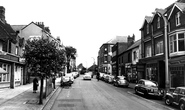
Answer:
(41, 91)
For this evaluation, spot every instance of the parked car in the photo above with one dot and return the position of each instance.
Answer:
(147, 88)
(101, 76)
(111, 78)
(106, 77)
(66, 81)
(176, 97)
(120, 81)
(87, 76)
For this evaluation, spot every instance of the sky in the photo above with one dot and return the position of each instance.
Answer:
(84, 24)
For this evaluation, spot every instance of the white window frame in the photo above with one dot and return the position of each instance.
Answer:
(172, 44)
(177, 18)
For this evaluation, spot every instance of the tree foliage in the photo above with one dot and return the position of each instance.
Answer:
(42, 57)
(70, 52)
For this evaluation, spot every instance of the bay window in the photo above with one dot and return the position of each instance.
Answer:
(177, 42)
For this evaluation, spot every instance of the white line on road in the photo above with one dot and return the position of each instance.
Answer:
(149, 100)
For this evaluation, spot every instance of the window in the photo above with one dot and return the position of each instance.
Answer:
(148, 51)
(177, 18)
(173, 44)
(177, 42)
(147, 31)
(16, 50)
(135, 55)
(158, 22)
(159, 47)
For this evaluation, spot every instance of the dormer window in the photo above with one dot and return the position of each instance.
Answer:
(177, 19)
(147, 29)
(158, 22)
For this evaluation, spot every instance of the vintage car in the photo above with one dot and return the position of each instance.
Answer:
(66, 80)
(148, 88)
(120, 81)
(176, 97)
(87, 76)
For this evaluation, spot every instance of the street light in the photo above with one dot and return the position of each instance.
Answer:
(167, 85)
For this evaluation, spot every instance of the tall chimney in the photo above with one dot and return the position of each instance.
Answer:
(2, 14)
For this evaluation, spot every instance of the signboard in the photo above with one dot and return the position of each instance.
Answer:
(140, 67)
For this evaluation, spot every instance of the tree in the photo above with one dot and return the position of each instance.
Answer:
(70, 54)
(42, 57)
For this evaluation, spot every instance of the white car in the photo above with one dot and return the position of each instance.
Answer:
(87, 76)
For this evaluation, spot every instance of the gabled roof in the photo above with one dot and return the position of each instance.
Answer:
(30, 24)
(17, 27)
(147, 19)
(6, 32)
(136, 44)
(157, 11)
(180, 6)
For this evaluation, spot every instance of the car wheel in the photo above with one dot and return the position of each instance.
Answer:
(167, 101)
(146, 94)
(136, 91)
(182, 106)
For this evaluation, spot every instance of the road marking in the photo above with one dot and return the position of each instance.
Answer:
(150, 101)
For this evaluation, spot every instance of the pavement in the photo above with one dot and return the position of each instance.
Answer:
(23, 98)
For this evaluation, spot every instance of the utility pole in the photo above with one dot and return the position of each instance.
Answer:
(167, 82)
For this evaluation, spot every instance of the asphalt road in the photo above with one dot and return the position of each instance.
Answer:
(98, 95)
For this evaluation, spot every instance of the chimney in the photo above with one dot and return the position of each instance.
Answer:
(130, 40)
(2, 14)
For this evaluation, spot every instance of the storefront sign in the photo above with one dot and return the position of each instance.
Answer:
(140, 67)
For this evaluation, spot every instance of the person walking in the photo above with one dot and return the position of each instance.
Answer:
(53, 80)
(98, 76)
(35, 85)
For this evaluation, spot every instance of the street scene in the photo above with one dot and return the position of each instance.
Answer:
(92, 55)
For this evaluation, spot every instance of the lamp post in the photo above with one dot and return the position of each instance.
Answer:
(167, 83)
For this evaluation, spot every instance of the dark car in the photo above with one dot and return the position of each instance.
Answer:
(176, 97)
(147, 88)
(120, 81)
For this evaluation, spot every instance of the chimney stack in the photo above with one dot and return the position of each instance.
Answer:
(2, 14)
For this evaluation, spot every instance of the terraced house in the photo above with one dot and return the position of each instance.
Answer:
(11, 65)
(153, 45)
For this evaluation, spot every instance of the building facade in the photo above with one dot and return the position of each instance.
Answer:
(11, 65)
(104, 58)
(153, 45)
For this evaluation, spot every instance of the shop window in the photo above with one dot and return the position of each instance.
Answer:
(177, 76)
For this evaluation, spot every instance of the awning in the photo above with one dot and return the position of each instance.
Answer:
(2, 70)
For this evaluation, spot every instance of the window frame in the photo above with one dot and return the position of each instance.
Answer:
(177, 19)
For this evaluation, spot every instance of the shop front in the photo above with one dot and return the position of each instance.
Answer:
(177, 72)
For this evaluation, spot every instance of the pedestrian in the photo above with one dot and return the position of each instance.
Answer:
(98, 76)
(35, 85)
(53, 81)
